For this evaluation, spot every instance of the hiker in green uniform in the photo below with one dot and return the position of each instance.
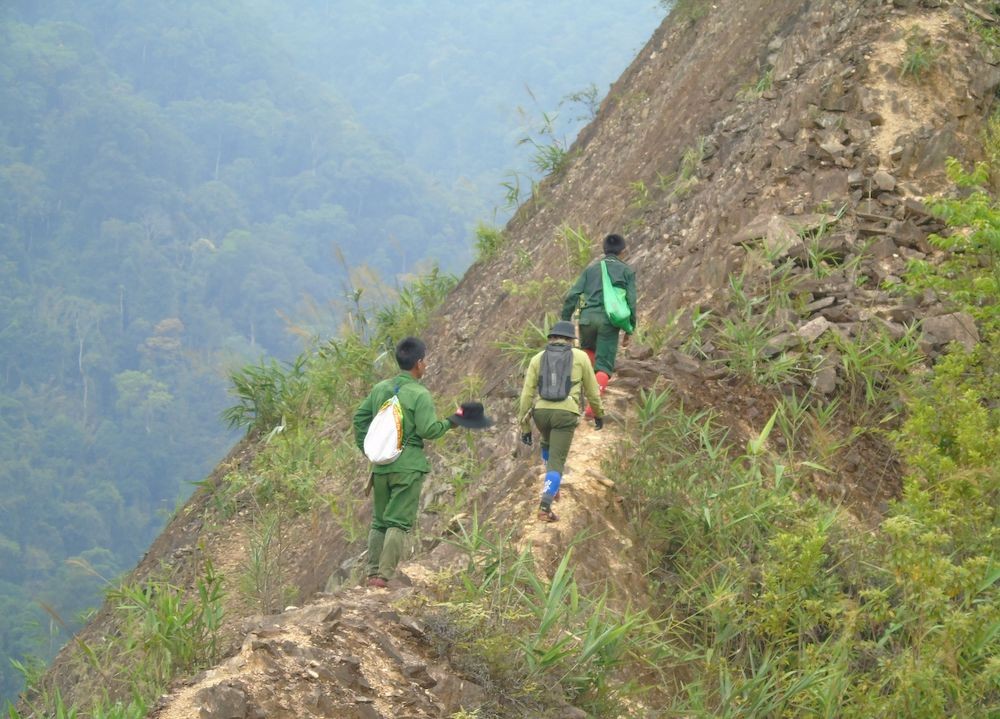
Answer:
(396, 485)
(598, 336)
(551, 396)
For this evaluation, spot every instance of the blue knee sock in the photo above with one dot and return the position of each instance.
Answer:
(551, 486)
(545, 454)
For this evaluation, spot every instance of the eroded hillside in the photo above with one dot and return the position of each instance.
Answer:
(768, 162)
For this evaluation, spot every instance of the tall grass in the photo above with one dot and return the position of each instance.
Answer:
(579, 248)
(273, 397)
(780, 606)
(531, 642)
(161, 632)
(745, 337)
(523, 345)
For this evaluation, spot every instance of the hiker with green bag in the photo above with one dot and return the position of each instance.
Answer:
(607, 289)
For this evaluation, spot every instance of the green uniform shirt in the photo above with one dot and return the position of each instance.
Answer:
(590, 285)
(420, 422)
(582, 376)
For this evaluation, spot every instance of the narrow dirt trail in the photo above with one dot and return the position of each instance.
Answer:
(590, 515)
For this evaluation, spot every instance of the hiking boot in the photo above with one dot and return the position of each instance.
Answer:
(547, 515)
(377, 582)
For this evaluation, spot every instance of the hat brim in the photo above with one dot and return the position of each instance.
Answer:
(480, 423)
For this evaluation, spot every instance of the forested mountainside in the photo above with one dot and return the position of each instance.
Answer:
(185, 188)
(793, 507)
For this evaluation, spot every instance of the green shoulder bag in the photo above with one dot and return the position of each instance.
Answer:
(615, 304)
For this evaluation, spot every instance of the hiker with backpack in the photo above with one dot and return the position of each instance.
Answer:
(390, 426)
(551, 397)
(608, 291)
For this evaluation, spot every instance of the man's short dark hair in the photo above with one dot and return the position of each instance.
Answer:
(409, 351)
(614, 244)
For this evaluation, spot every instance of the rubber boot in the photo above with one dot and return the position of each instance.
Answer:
(550, 489)
(376, 540)
(392, 551)
(602, 382)
(593, 356)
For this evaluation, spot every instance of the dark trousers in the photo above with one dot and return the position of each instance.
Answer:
(602, 339)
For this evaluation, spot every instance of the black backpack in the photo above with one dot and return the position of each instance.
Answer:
(556, 372)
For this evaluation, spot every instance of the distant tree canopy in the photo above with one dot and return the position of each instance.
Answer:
(180, 183)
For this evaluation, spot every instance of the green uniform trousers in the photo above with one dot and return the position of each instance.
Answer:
(556, 427)
(602, 339)
(396, 500)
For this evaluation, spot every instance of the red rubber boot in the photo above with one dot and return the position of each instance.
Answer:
(602, 381)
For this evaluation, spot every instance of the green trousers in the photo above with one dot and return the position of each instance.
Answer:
(556, 427)
(396, 500)
(602, 339)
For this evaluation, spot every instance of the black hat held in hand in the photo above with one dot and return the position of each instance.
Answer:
(472, 416)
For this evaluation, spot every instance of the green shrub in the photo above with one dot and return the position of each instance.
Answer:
(779, 606)
(684, 180)
(165, 632)
(757, 89)
(921, 56)
(579, 247)
(567, 645)
(268, 395)
(688, 11)
(489, 241)
(744, 337)
(523, 345)
(970, 273)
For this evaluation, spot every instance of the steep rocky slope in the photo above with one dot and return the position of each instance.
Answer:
(801, 136)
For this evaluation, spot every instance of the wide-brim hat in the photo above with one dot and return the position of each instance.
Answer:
(563, 328)
(471, 415)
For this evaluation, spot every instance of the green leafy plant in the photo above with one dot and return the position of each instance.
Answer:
(512, 190)
(656, 336)
(920, 56)
(970, 274)
(523, 345)
(685, 179)
(268, 395)
(568, 643)
(415, 302)
(756, 90)
(640, 194)
(745, 337)
(166, 632)
(687, 11)
(550, 156)
(262, 579)
(989, 33)
(579, 247)
(874, 364)
(589, 98)
(489, 240)
(700, 321)
(547, 289)
(523, 260)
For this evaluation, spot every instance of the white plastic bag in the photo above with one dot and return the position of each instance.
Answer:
(384, 439)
